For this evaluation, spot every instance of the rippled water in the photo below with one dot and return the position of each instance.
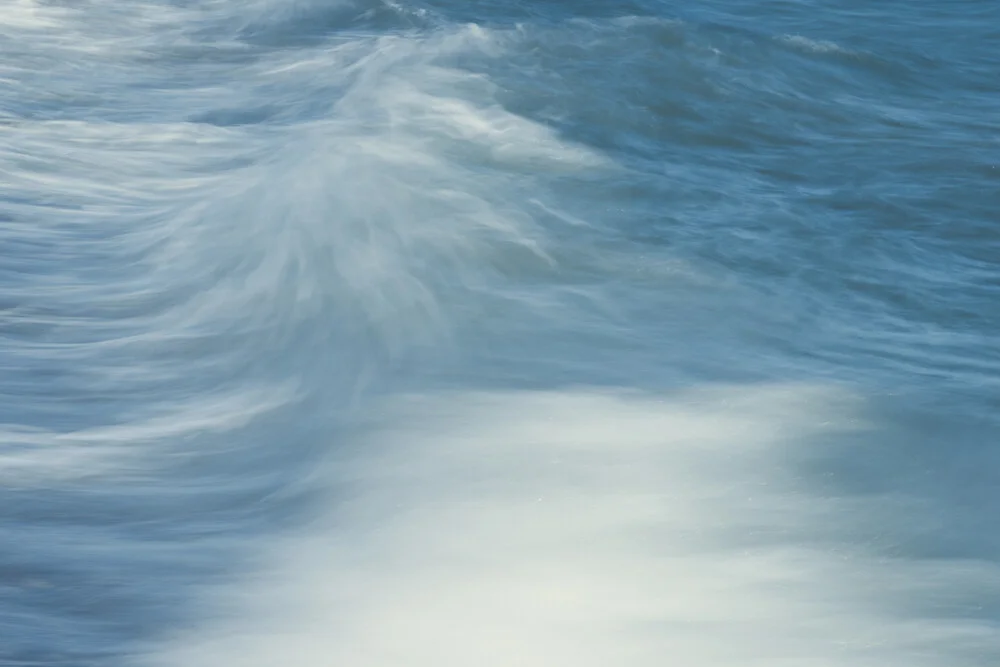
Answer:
(383, 333)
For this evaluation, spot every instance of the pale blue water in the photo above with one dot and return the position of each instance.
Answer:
(692, 312)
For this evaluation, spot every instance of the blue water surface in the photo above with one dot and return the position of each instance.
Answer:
(229, 231)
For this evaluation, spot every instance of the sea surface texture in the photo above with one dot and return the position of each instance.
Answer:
(454, 333)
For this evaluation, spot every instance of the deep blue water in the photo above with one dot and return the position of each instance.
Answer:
(371, 333)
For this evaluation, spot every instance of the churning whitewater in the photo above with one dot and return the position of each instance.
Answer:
(436, 334)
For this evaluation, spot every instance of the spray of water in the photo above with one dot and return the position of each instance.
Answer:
(588, 528)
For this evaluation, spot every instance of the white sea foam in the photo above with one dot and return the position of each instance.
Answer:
(29, 15)
(814, 45)
(173, 253)
(587, 528)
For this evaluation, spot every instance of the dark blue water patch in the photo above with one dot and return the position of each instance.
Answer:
(82, 608)
(236, 117)
(539, 12)
(792, 173)
(309, 23)
(650, 89)
(95, 561)
(954, 31)
(937, 460)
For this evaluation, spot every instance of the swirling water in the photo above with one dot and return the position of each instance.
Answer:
(371, 333)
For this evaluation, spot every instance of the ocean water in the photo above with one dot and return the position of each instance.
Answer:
(434, 333)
